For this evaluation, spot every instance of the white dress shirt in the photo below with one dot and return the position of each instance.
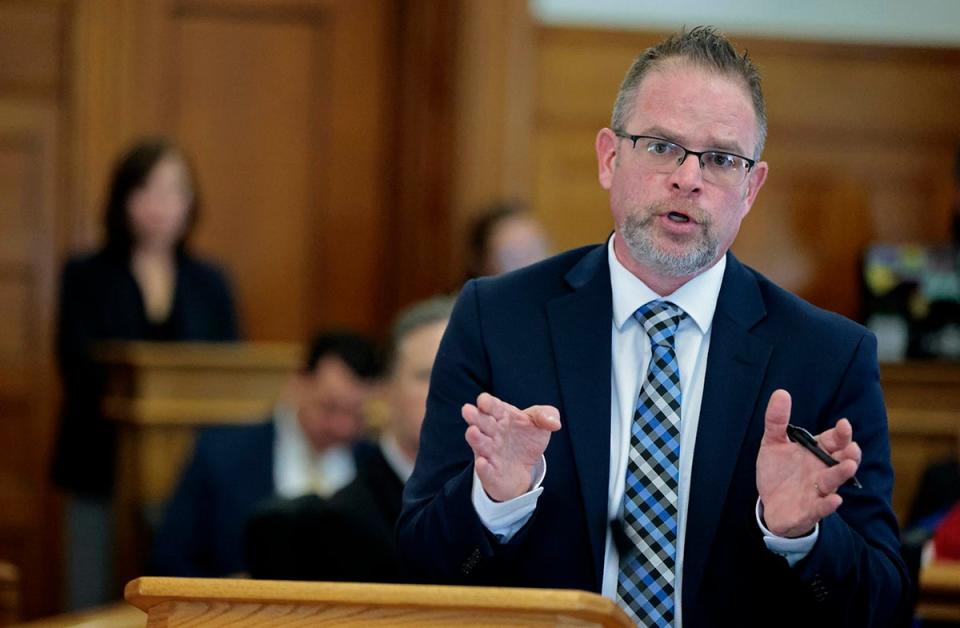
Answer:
(395, 457)
(298, 469)
(630, 355)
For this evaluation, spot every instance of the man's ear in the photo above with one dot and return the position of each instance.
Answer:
(755, 180)
(606, 147)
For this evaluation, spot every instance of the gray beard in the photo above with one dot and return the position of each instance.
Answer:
(637, 234)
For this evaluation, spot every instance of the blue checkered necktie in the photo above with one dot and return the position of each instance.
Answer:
(646, 581)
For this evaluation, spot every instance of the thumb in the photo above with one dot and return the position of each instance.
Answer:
(777, 417)
(544, 417)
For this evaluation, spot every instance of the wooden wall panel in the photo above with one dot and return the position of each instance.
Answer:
(30, 49)
(32, 46)
(860, 147)
(257, 156)
(28, 197)
(282, 106)
(493, 118)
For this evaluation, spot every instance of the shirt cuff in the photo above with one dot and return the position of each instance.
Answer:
(794, 550)
(504, 519)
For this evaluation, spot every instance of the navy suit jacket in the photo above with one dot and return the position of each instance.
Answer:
(100, 300)
(542, 335)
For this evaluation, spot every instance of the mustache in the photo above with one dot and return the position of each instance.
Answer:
(662, 208)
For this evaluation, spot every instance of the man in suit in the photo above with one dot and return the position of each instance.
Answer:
(306, 447)
(349, 537)
(626, 405)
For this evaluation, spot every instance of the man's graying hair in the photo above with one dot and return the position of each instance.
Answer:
(710, 50)
(420, 314)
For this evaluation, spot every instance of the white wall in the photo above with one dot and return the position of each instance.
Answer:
(910, 22)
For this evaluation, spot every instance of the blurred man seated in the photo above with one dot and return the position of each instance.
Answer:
(306, 447)
(350, 536)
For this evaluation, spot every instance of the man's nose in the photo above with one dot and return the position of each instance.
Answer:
(688, 176)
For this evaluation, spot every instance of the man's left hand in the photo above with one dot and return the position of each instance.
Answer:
(796, 489)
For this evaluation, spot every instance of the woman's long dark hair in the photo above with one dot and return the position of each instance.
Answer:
(130, 173)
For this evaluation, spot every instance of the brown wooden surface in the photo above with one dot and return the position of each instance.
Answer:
(161, 394)
(939, 592)
(116, 615)
(32, 87)
(216, 602)
(9, 593)
(494, 120)
(923, 406)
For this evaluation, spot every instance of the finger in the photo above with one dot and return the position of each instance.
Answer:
(777, 416)
(485, 472)
(544, 417)
(828, 505)
(480, 443)
(497, 408)
(473, 416)
(837, 437)
(832, 478)
(850, 452)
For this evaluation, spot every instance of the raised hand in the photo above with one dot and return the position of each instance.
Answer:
(507, 443)
(797, 490)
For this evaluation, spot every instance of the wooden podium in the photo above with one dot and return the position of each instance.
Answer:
(213, 602)
(161, 394)
(923, 406)
(939, 592)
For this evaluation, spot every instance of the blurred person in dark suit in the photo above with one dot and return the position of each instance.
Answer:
(350, 536)
(142, 284)
(504, 237)
(308, 446)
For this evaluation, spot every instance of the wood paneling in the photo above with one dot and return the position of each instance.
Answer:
(923, 404)
(28, 197)
(116, 93)
(493, 119)
(860, 147)
(30, 47)
(257, 156)
(282, 107)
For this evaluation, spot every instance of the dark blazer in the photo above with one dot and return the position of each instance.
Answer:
(231, 471)
(541, 335)
(100, 300)
(347, 538)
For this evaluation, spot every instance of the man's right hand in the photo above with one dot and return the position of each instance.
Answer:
(507, 443)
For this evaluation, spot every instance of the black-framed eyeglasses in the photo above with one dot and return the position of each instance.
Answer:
(663, 156)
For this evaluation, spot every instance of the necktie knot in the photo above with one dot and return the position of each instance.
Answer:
(660, 320)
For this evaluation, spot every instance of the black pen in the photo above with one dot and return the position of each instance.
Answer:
(806, 440)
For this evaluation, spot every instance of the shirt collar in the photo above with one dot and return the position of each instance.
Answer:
(288, 427)
(697, 297)
(395, 458)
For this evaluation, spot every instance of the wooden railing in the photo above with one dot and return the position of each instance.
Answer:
(213, 602)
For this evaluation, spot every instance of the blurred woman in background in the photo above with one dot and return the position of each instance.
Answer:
(142, 284)
(504, 236)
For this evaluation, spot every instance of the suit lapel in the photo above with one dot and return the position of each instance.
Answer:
(580, 327)
(736, 364)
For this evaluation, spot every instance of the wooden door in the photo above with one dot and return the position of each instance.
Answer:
(31, 105)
